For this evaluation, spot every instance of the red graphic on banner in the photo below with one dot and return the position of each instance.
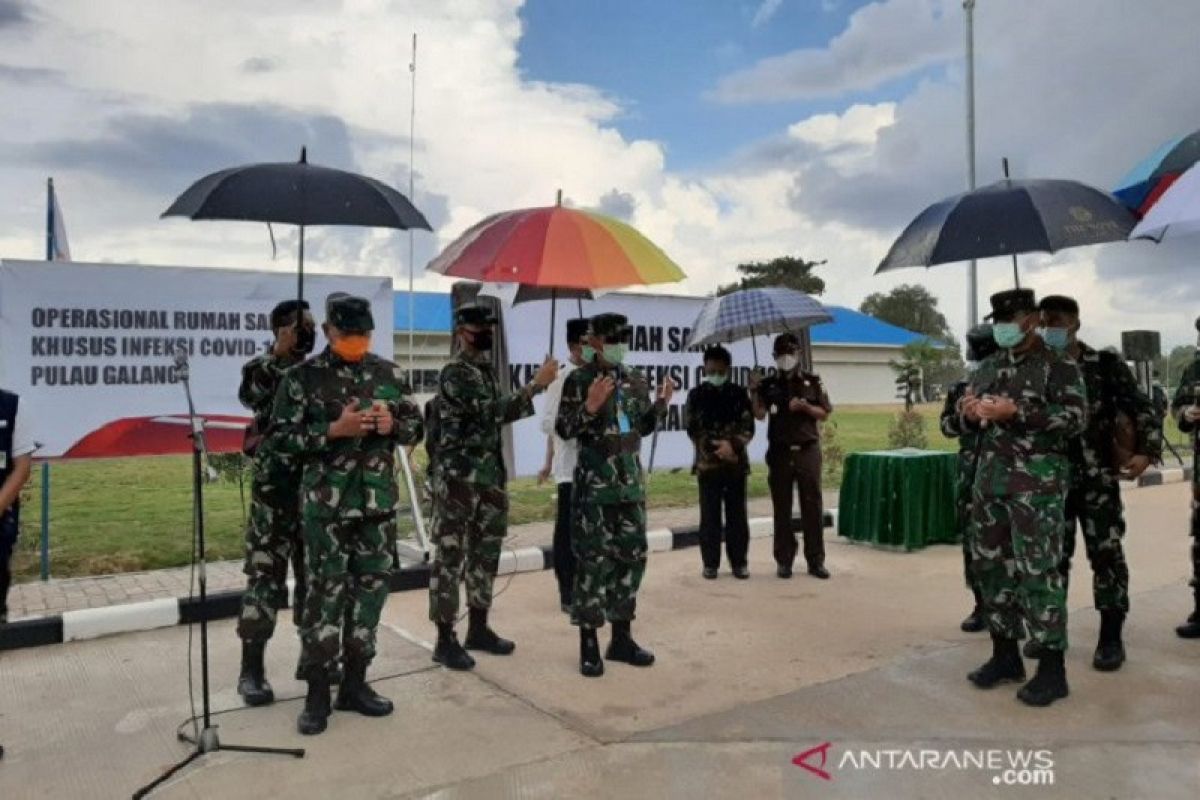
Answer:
(158, 436)
(802, 760)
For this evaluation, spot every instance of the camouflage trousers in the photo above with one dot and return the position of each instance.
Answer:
(470, 522)
(1097, 509)
(1018, 547)
(272, 540)
(964, 480)
(610, 550)
(347, 562)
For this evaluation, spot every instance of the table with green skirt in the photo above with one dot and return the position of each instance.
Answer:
(900, 498)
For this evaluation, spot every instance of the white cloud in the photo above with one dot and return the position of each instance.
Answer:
(155, 99)
(882, 41)
(766, 10)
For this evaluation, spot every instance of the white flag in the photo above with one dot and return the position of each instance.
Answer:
(58, 248)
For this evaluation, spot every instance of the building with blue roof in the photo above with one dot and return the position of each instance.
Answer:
(852, 354)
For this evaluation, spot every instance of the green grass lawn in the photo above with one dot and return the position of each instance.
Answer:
(135, 514)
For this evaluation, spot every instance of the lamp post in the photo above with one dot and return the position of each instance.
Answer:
(972, 271)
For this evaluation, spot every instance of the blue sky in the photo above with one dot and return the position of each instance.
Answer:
(660, 59)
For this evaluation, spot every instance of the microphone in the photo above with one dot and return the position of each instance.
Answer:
(181, 363)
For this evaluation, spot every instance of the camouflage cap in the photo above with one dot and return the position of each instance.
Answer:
(348, 313)
(609, 326)
(473, 314)
(1008, 303)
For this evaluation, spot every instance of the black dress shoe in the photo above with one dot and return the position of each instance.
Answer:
(741, 573)
(819, 571)
(710, 573)
(783, 571)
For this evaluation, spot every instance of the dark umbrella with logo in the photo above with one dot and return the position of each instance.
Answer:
(1007, 218)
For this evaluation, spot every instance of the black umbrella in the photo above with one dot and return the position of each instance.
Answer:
(1007, 218)
(297, 194)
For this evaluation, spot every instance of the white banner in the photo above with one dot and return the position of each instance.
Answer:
(660, 327)
(90, 348)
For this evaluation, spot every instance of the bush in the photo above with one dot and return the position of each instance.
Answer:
(832, 454)
(907, 430)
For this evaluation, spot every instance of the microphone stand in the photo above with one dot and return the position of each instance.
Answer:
(207, 741)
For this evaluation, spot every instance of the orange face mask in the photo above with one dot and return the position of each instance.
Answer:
(351, 348)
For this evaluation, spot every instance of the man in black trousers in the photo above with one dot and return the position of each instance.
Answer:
(796, 403)
(720, 424)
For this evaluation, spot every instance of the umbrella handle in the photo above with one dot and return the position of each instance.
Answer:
(653, 448)
(553, 304)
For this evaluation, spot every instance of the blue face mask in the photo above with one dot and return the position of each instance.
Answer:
(1007, 334)
(1055, 338)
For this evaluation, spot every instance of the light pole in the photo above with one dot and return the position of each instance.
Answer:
(972, 271)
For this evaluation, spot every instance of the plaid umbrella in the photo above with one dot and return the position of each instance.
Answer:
(755, 312)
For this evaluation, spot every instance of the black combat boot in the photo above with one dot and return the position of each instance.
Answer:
(1004, 665)
(252, 683)
(481, 637)
(1110, 651)
(315, 717)
(623, 648)
(975, 621)
(355, 694)
(590, 665)
(1050, 682)
(1191, 628)
(448, 652)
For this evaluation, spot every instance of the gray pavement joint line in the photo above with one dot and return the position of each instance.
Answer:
(573, 725)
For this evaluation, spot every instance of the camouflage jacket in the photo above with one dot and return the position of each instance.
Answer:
(1111, 388)
(471, 411)
(346, 477)
(1028, 453)
(955, 427)
(261, 376)
(719, 412)
(1186, 394)
(609, 469)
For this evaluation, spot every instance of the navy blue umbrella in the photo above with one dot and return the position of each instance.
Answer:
(297, 193)
(1007, 218)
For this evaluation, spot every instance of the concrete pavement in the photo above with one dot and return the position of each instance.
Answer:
(750, 675)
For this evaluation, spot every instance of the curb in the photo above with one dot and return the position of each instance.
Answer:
(92, 623)
(1159, 477)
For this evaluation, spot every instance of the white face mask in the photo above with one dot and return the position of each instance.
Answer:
(787, 363)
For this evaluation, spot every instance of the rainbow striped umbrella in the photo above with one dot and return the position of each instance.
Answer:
(556, 247)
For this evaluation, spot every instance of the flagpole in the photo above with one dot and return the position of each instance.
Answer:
(412, 267)
(972, 270)
(45, 532)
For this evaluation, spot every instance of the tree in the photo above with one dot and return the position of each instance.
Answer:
(1168, 368)
(786, 271)
(939, 364)
(910, 307)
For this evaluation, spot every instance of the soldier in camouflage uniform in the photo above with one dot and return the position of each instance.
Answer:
(1094, 496)
(343, 413)
(1185, 407)
(606, 407)
(980, 345)
(1027, 405)
(470, 503)
(273, 531)
(720, 424)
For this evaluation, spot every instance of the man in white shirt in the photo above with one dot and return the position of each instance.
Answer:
(560, 464)
(16, 457)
